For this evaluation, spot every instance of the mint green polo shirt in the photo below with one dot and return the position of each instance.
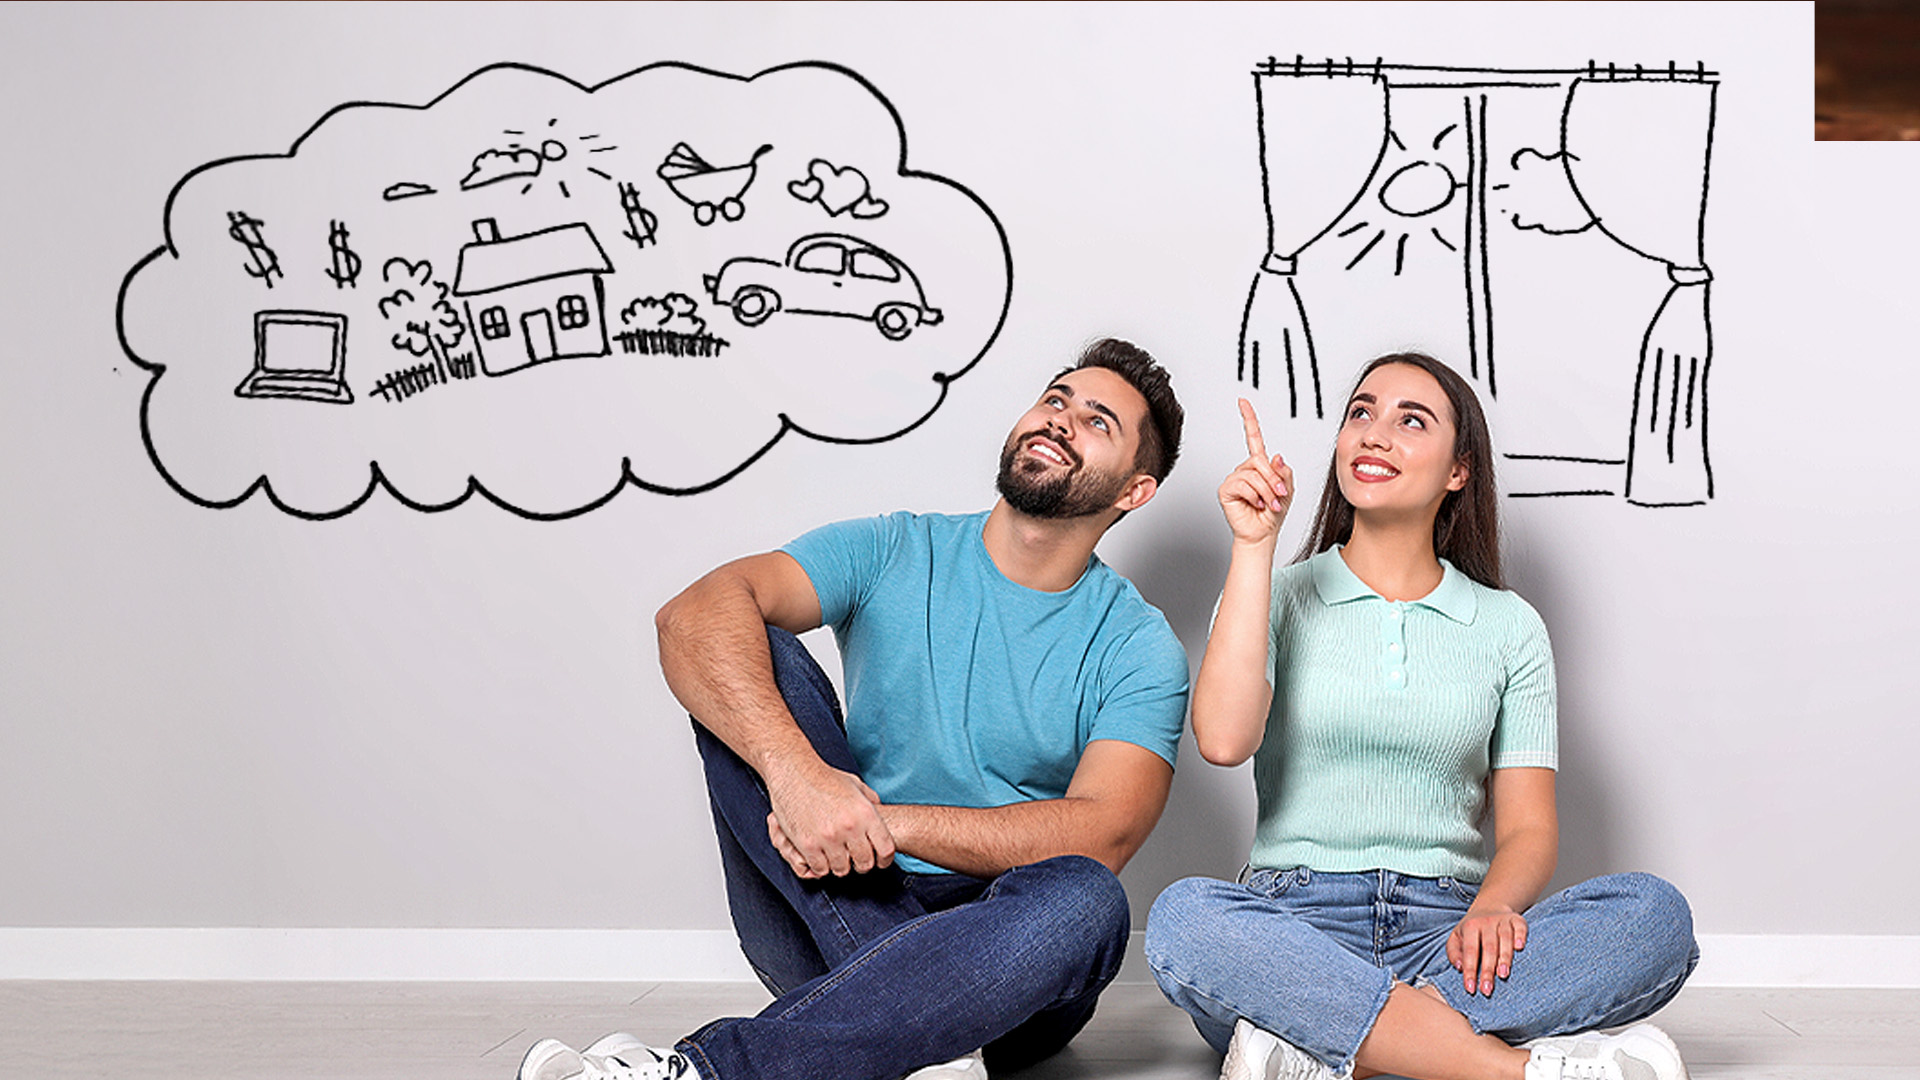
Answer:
(1388, 716)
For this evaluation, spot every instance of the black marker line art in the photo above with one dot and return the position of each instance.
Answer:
(246, 231)
(666, 326)
(605, 363)
(837, 190)
(642, 224)
(713, 192)
(300, 355)
(534, 297)
(1420, 193)
(406, 189)
(519, 161)
(427, 322)
(344, 270)
(404, 383)
(826, 274)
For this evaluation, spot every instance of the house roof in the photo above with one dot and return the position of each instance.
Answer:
(536, 256)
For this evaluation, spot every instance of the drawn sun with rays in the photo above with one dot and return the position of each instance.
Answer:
(530, 155)
(1415, 185)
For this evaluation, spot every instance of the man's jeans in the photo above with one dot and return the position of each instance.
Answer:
(1310, 956)
(881, 973)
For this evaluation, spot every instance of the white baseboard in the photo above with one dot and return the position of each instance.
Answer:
(383, 955)
(372, 955)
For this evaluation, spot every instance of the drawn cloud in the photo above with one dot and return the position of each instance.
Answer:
(1539, 195)
(545, 292)
(495, 165)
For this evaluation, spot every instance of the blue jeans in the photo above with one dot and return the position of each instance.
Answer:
(880, 973)
(1311, 956)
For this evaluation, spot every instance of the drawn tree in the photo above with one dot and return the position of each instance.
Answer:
(428, 322)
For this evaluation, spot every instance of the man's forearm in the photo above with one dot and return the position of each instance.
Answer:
(1115, 799)
(988, 842)
(713, 652)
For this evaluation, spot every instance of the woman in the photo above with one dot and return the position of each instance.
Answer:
(1394, 699)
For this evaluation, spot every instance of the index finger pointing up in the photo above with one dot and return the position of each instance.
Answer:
(1256, 446)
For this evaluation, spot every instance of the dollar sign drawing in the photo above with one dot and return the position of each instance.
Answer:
(346, 265)
(246, 230)
(641, 224)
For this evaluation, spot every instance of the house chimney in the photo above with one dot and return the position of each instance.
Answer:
(485, 231)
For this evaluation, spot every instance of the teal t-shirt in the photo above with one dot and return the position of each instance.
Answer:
(966, 689)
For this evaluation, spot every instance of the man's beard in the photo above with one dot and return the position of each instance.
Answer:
(1067, 494)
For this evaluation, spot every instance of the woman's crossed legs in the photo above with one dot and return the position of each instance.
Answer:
(1352, 968)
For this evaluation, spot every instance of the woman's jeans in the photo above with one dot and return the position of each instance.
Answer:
(1311, 956)
(880, 973)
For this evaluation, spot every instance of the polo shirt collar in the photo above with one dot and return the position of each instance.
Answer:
(1453, 597)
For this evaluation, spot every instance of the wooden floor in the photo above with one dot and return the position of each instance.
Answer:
(478, 1031)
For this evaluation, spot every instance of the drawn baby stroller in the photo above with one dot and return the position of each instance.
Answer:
(708, 190)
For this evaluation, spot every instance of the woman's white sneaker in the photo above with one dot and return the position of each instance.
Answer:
(1258, 1054)
(1642, 1052)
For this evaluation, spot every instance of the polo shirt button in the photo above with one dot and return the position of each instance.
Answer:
(1396, 675)
(1393, 647)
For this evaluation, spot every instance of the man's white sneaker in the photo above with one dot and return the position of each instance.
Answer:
(1642, 1052)
(970, 1067)
(551, 1059)
(1258, 1054)
(616, 1057)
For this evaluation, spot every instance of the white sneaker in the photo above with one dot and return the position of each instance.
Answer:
(1258, 1054)
(1642, 1052)
(969, 1067)
(616, 1057)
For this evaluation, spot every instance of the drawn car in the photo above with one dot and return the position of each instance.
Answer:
(825, 274)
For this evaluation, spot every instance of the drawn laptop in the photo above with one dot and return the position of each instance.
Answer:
(298, 354)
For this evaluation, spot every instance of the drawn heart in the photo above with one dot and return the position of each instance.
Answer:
(805, 190)
(842, 187)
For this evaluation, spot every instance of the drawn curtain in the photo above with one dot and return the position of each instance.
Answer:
(1637, 154)
(1322, 133)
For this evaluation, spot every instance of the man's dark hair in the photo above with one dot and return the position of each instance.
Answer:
(1160, 438)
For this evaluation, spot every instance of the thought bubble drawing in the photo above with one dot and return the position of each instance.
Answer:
(485, 294)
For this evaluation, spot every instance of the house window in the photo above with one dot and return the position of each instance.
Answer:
(493, 323)
(573, 312)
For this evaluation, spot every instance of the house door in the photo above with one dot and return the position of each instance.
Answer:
(537, 328)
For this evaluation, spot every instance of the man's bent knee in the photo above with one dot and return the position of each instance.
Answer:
(1084, 911)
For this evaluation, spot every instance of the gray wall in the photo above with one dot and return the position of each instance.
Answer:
(403, 719)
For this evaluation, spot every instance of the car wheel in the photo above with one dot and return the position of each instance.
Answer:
(753, 304)
(896, 321)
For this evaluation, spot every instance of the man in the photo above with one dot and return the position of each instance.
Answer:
(937, 874)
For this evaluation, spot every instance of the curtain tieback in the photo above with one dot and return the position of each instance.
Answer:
(1688, 275)
(1277, 264)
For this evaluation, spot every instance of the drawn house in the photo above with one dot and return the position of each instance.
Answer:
(534, 297)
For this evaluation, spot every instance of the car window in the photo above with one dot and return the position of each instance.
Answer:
(868, 264)
(822, 259)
